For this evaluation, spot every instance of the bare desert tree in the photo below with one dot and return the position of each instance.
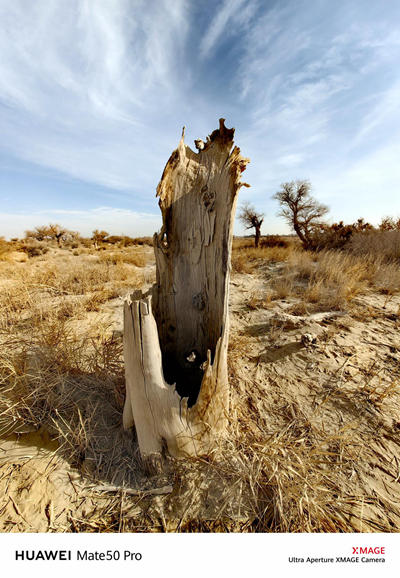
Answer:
(51, 232)
(38, 233)
(58, 233)
(98, 237)
(250, 219)
(300, 209)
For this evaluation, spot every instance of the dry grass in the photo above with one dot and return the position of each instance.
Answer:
(58, 371)
(383, 245)
(247, 259)
(5, 249)
(71, 385)
(294, 478)
(335, 279)
(137, 258)
(65, 284)
(324, 281)
(387, 279)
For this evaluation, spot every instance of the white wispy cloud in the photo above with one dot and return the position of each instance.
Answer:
(293, 160)
(231, 14)
(385, 110)
(85, 82)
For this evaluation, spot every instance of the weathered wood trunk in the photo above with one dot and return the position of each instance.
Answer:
(176, 336)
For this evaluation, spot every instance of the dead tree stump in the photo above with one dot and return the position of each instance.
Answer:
(176, 336)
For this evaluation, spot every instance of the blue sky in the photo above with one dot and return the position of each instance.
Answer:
(94, 94)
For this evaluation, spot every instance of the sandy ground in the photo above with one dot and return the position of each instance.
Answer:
(341, 374)
(336, 374)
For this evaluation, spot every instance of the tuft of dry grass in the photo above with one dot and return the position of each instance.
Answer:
(5, 249)
(132, 258)
(332, 280)
(387, 278)
(71, 385)
(382, 245)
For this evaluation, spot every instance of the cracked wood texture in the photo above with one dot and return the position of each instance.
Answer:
(176, 336)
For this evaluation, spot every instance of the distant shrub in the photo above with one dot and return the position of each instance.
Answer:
(114, 239)
(99, 237)
(32, 250)
(129, 241)
(390, 224)
(86, 242)
(336, 236)
(273, 241)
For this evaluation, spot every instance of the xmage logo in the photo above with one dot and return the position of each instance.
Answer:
(369, 550)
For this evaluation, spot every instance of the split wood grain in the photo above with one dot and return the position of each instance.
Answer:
(176, 335)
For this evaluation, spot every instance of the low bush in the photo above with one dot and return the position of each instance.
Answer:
(390, 224)
(129, 241)
(34, 249)
(273, 241)
(336, 236)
